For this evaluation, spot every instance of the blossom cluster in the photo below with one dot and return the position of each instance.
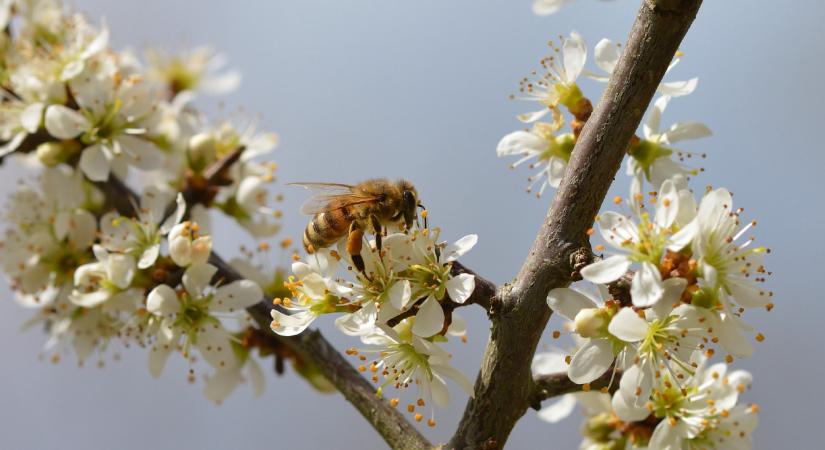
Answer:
(677, 278)
(400, 307)
(102, 262)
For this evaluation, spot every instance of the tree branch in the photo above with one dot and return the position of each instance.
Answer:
(504, 385)
(556, 384)
(310, 346)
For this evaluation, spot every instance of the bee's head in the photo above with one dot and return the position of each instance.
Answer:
(409, 202)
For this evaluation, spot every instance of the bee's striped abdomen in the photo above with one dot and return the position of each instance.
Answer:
(326, 228)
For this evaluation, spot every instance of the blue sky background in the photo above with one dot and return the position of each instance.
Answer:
(419, 89)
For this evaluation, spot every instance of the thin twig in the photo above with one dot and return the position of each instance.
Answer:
(556, 384)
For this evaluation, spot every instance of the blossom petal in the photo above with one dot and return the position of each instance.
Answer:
(31, 117)
(606, 270)
(667, 205)
(177, 216)
(519, 143)
(678, 88)
(65, 123)
(460, 287)
(548, 363)
(236, 296)
(197, 278)
(683, 131)
(568, 302)
(607, 54)
(256, 377)
(291, 325)
(666, 436)
(399, 294)
(558, 410)
(159, 353)
(653, 123)
(149, 256)
(163, 300)
(221, 384)
(635, 385)
(574, 52)
(628, 326)
(95, 162)
(646, 288)
(214, 345)
(142, 153)
(555, 171)
(360, 322)
(673, 289)
(616, 229)
(747, 294)
(458, 248)
(626, 410)
(591, 361)
(430, 318)
(120, 269)
(546, 7)
(732, 338)
(533, 116)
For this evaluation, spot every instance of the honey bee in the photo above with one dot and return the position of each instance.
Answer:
(351, 210)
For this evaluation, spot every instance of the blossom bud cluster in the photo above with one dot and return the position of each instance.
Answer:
(99, 263)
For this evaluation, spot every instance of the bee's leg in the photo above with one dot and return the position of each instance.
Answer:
(354, 242)
(376, 227)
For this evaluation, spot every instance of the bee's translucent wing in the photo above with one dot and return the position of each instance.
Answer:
(330, 196)
(326, 187)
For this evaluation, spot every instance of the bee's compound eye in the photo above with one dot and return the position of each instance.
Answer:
(409, 199)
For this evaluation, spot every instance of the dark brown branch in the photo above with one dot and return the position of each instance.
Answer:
(556, 384)
(312, 348)
(504, 385)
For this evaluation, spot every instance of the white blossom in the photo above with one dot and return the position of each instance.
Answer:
(190, 316)
(607, 54)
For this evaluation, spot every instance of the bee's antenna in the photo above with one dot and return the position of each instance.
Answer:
(424, 214)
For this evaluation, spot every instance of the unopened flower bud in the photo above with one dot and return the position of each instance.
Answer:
(53, 153)
(589, 322)
(202, 151)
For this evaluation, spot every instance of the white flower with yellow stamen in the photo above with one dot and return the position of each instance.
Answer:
(425, 263)
(315, 292)
(640, 245)
(730, 272)
(405, 359)
(547, 151)
(114, 121)
(50, 234)
(654, 159)
(662, 340)
(141, 236)
(557, 84)
(190, 315)
(109, 280)
(598, 349)
(196, 70)
(691, 413)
